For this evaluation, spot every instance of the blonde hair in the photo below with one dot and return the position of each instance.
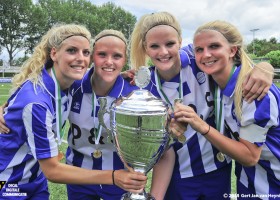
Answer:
(233, 36)
(110, 32)
(32, 68)
(138, 56)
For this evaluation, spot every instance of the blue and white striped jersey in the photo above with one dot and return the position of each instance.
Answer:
(30, 116)
(259, 125)
(197, 156)
(84, 127)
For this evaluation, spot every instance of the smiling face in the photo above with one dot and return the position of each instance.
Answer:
(109, 57)
(71, 60)
(214, 55)
(162, 46)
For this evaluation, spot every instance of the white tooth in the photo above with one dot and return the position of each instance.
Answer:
(108, 69)
(209, 63)
(77, 67)
(163, 60)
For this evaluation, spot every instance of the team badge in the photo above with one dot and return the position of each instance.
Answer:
(182, 139)
(97, 154)
(221, 157)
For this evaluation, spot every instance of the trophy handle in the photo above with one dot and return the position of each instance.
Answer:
(101, 113)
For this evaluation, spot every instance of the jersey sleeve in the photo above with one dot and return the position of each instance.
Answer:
(257, 118)
(38, 122)
(189, 50)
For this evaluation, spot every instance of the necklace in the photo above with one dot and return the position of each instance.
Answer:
(97, 132)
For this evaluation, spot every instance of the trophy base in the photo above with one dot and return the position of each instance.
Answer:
(140, 196)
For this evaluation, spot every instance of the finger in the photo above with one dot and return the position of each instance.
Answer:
(254, 93)
(178, 130)
(246, 79)
(132, 82)
(181, 116)
(4, 129)
(263, 93)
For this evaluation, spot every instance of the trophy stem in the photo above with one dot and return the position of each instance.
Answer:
(138, 196)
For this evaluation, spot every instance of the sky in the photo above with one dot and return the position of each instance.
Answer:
(246, 15)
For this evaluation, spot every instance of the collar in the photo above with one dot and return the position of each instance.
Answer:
(86, 84)
(229, 89)
(48, 82)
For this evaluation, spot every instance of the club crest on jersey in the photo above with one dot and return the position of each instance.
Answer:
(201, 77)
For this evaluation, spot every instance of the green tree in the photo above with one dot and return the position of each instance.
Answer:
(13, 22)
(36, 27)
(262, 47)
(23, 22)
(114, 17)
(274, 58)
(68, 11)
(95, 18)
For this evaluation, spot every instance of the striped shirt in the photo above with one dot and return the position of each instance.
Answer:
(259, 125)
(31, 118)
(83, 134)
(197, 156)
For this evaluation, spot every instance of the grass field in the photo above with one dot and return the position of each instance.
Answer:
(4, 92)
(58, 191)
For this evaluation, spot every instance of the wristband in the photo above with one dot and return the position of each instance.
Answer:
(207, 131)
(113, 177)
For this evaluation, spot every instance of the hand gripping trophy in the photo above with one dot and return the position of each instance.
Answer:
(139, 127)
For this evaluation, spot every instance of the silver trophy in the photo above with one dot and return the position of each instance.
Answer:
(139, 127)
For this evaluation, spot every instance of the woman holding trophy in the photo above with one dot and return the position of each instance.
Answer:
(90, 145)
(175, 76)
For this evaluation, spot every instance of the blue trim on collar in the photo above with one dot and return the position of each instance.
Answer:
(230, 87)
(117, 87)
(48, 81)
(86, 84)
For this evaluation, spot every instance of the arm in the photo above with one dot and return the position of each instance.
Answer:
(162, 173)
(242, 151)
(62, 173)
(258, 82)
(3, 127)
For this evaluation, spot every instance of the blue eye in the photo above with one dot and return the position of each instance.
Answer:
(86, 53)
(102, 54)
(118, 56)
(214, 46)
(197, 50)
(170, 44)
(71, 50)
(154, 46)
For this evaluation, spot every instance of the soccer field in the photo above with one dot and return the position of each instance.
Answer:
(4, 92)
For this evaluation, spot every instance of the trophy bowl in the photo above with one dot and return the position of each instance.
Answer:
(139, 127)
